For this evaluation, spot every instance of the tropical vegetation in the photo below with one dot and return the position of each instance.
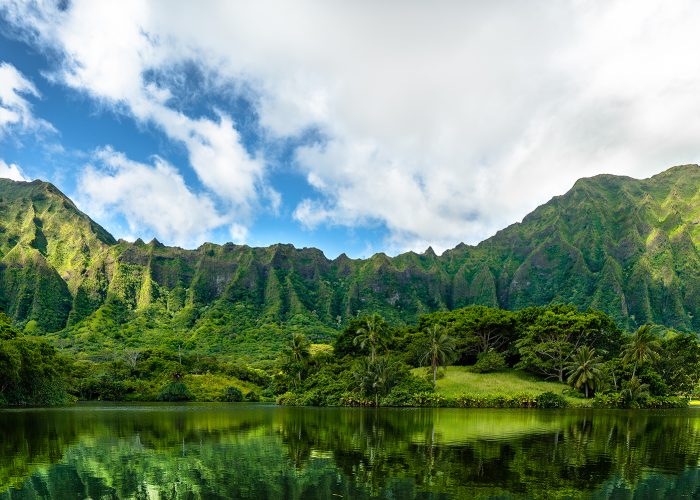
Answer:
(90, 317)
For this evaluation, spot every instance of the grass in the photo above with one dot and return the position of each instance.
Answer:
(460, 380)
(211, 387)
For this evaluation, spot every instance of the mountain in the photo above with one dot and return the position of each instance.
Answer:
(626, 246)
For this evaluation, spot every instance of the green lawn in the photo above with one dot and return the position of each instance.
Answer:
(459, 380)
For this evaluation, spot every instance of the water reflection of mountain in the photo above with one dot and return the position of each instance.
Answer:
(246, 451)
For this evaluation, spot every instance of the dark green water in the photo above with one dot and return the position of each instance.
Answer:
(257, 451)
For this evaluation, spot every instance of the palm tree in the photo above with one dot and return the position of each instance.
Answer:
(297, 354)
(375, 378)
(585, 369)
(372, 334)
(643, 346)
(634, 390)
(438, 349)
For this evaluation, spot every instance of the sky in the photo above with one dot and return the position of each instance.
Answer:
(356, 127)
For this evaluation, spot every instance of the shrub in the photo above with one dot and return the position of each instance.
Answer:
(551, 400)
(174, 391)
(233, 395)
(252, 396)
(620, 400)
(609, 400)
(489, 361)
(495, 401)
(663, 402)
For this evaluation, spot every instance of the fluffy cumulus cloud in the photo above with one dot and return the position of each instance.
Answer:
(15, 109)
(151, 197)
(442, 122)
(11, 171)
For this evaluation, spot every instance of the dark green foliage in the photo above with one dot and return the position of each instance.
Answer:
(552, 337)
(489, 361)
(252, 397)
(233, 395)
(175, 391)
(374, 378)
(679, 363)
(31, 372)
(551, 400)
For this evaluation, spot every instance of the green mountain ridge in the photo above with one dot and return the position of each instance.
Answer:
(628, 247)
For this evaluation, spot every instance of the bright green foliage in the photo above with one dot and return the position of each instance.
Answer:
(624, 246)
(132, 314)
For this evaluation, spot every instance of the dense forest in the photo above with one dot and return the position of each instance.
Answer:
(372, 363)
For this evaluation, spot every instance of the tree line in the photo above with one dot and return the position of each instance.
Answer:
(371, 361)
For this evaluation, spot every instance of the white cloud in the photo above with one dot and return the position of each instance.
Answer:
(11, 171)
(107, 50)
(15, 109)
(150, 197)
(443, 123)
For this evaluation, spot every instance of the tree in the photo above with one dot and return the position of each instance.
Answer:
(375, 377)
(634, 391)
(372, 334)
(7, 331)
(585, 369)
(550, 342)
(680, 362)
(295, 357)
(486, 328)
(643, 346)
(438, 349)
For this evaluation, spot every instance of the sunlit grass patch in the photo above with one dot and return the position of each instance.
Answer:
(460, 380)
(212, 387)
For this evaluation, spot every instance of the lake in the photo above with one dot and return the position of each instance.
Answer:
(263, 451)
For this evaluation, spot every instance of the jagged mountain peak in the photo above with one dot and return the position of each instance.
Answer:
(624, 245)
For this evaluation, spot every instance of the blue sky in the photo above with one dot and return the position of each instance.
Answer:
(352, 127)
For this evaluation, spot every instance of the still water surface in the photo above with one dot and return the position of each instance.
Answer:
(259, 451)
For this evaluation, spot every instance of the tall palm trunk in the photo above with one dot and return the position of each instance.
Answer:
(434, 370)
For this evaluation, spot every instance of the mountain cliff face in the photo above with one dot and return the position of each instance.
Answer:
(626, 246)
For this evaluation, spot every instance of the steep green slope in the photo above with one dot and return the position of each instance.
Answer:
(626, 246)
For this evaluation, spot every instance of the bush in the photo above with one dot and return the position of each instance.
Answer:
(618, 400)
(252, 397)
(495, 401)
(233, 395)
(609, 400)
(402, 394)
(551, 400)
(174, 391)
(663, 402)
(489, 361)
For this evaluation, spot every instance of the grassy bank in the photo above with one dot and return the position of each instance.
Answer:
(460, 380)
